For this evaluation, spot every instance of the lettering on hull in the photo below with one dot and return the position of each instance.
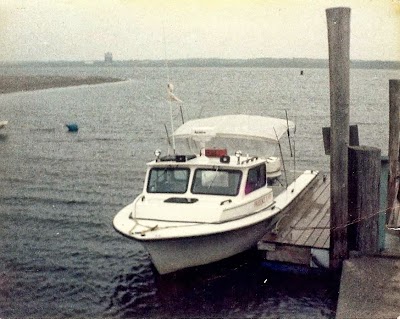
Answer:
(262, 200)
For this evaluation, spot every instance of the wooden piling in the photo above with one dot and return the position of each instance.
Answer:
(353, 138)
(364, 182)
(338, 21)
(394, 130)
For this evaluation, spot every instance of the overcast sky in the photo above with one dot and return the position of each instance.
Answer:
(133, 29)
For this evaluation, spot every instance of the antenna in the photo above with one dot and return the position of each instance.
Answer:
(283, 162)
(169, 89)
(294, 157)
(288, 134)
(166, 131)
(180, 108)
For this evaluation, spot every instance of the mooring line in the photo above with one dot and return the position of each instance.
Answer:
(357, 220)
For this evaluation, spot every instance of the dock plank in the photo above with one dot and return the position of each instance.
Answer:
(309, 223)
(313, 228)
(323, 240)
(303, 227)
(321, 227)
(292, 216)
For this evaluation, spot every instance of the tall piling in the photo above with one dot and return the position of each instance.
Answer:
(364, 193)
(393, 153)
(338, 21)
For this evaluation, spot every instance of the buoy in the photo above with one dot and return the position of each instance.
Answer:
(72, 127)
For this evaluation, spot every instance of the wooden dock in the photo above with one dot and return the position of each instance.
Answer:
(301, 235)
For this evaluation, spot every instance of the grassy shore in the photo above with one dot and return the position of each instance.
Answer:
(10, 84)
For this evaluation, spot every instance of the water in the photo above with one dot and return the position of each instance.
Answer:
(59, 191)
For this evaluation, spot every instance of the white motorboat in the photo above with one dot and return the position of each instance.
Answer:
(3, 124)
(200, 208)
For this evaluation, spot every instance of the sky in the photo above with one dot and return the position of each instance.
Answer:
(53, 30)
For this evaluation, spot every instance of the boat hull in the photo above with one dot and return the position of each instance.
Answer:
(176, 245)
(169, 255)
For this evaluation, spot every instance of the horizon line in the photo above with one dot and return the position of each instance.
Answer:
(185, 59)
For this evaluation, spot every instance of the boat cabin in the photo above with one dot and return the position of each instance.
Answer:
(214, 173)
(213, 186)
(204, 188)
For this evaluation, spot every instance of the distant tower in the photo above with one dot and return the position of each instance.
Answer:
(108, 57)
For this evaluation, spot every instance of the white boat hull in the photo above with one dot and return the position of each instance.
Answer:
(169, 255)
(173, 246)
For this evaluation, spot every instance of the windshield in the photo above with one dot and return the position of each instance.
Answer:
(216, 182)
(168, 180)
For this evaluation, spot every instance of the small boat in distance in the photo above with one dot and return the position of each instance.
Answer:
(213, 203)
(72, 127)
(3, 124)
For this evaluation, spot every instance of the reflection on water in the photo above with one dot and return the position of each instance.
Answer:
(238, 287)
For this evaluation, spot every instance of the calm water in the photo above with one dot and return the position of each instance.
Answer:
(59, 191)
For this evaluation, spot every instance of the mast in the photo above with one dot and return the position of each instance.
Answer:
(169, 91)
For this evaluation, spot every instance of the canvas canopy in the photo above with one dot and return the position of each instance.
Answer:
(250, 127)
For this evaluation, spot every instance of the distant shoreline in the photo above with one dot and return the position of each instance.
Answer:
(301, 63)
(16, 83)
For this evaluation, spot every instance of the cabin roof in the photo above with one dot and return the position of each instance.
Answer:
(204, 161)
(240, 126)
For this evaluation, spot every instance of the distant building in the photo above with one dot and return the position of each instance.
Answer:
(108, 57)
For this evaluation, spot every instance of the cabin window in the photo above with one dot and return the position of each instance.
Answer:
(256, 178)
(216, 182)
(168, 180)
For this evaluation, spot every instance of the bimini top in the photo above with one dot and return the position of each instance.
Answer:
(251, 127)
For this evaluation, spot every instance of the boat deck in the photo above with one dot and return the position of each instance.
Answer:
(301, 235)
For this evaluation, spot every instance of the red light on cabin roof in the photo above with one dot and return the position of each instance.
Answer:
(216, 152)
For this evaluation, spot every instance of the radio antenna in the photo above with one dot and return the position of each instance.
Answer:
(288, 134)
(169, 89)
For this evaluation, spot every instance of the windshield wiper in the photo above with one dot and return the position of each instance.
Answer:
(209, 186)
